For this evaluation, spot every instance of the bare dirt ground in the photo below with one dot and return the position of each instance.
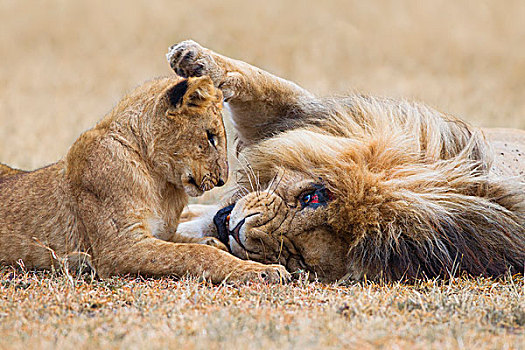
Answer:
(66, 63)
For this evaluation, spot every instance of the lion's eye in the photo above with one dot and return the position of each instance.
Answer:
(310, 198)
(320, 196)
(212, 138)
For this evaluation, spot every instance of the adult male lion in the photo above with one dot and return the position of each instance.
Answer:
(360, 186)
(117, 196)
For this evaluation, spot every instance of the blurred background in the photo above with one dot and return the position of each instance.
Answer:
(64, 64)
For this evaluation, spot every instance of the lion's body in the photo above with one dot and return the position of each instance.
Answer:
(509, 151)
(362, 187)
(118, 194)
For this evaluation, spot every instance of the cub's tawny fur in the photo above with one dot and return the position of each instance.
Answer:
(117, 195)
(361, 187)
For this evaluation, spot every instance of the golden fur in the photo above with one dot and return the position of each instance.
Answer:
(362, 187)
(6, 170)
(117, 195)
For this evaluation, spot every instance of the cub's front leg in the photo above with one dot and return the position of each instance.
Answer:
(260, 102)
(123, 245)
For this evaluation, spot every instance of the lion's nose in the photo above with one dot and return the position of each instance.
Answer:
(220, 183)
(221, 221)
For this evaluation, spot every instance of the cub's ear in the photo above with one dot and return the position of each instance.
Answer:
(192, 94)
(176, 93)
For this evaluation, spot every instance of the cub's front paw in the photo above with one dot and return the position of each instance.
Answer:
(256, 272)
(189, 59)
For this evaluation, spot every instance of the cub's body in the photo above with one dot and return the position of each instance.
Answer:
(117, 196)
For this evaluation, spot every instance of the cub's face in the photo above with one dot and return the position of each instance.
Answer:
(191, 140)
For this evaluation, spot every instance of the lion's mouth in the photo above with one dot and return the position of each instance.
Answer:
(222, 223)
(235, 232)
(232, 237)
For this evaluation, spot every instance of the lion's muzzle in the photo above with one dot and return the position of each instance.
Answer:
(221, 223)
(251, 227)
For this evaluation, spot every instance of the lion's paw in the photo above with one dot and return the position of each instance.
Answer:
(189, 59)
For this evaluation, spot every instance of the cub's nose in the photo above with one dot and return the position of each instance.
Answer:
(220, 183)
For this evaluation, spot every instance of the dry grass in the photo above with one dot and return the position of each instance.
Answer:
(65, 63)
(45, 310)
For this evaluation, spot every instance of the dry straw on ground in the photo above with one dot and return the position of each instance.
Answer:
(66, 63)
(44, 310)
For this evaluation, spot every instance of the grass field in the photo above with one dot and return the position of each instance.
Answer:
(66, 63)
(43, 310)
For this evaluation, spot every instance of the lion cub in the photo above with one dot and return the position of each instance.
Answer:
(118, 194)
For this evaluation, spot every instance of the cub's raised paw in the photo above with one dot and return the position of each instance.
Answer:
(189, 59)
(256, 272)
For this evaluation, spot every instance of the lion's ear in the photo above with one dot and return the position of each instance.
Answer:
(192, 94)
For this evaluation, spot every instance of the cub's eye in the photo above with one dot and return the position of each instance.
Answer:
(212, 139)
